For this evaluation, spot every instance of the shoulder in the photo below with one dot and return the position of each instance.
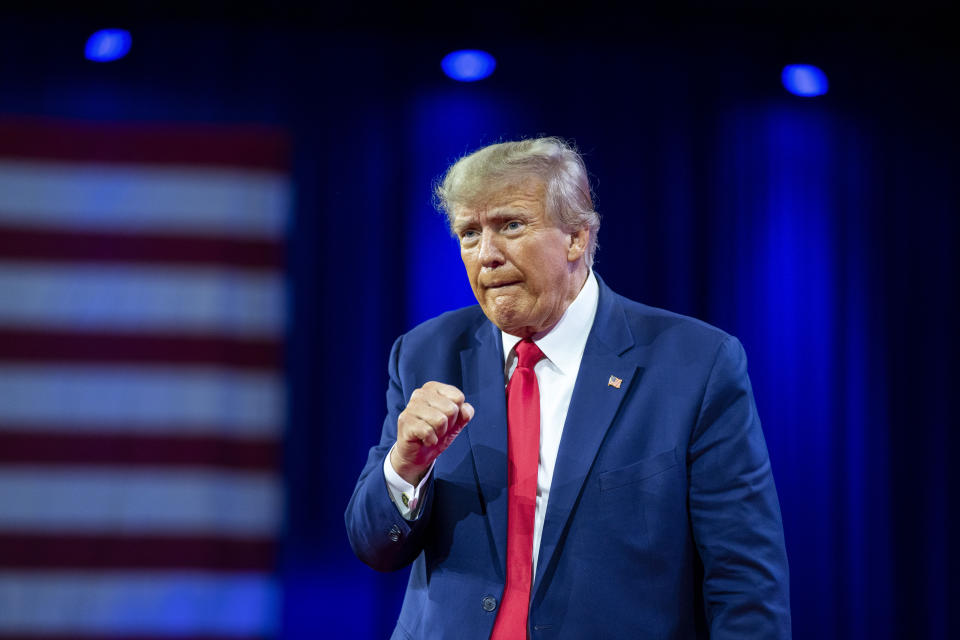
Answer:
(684, 355)
(655, 320)
(432, 350)
(658, 330)
(451, 330)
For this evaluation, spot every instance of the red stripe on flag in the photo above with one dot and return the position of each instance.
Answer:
(247, 146)
(22, 447)
(96, 347)
(77, 551)
(73, 246)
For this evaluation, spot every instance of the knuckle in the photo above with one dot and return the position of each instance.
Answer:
(451, 409)
(423, 432)
(443, 404)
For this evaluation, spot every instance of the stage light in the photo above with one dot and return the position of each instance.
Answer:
(468, 65)
(108, 44)
(804, 80)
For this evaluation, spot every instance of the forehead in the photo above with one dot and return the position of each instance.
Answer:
(527, 195)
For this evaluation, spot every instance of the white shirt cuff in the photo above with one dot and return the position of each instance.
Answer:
(405, 496)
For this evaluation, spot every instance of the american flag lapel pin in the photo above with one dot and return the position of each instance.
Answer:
(614, 382)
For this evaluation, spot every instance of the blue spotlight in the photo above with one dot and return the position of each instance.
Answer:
(804, 80)
(108, 44)
(468, 65)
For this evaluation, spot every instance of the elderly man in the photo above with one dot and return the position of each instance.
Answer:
(559, 461)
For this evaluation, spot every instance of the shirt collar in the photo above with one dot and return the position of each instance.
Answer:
(563, 345)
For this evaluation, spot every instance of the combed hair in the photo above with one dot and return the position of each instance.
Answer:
(552, 160)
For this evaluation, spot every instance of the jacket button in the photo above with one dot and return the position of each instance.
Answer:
(489, 603)
(394, 533)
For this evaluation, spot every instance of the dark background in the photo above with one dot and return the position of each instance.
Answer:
(820, 231)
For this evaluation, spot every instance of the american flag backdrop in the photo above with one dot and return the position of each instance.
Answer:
(142, 315)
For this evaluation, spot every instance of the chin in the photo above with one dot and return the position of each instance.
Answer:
(509, 316)
(505, 320)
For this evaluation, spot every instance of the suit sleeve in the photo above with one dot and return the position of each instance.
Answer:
(734, 509)
(379, 535)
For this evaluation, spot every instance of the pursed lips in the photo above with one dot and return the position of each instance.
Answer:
(501, 285)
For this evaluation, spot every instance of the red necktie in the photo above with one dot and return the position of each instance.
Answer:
(523, 455)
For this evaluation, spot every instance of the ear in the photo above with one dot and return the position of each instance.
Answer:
(577, 246)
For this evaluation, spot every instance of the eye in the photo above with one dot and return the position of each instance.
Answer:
(513, 225)
(468, 235)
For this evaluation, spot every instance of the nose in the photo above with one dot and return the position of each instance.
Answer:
(491, 255)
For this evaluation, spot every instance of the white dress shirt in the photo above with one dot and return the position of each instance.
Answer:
(556, 375)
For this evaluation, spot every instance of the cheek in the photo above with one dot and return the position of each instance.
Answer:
(471, 266)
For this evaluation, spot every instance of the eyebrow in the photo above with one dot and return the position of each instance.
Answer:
(459, 224)
(509, 213)
(506, 212)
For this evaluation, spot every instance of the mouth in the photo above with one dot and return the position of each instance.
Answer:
(500, 285)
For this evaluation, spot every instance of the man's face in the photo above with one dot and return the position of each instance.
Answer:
(524, 270)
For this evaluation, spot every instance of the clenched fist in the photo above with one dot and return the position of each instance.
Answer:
(434, 416)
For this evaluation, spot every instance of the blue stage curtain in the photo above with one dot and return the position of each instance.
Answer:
(822, 232)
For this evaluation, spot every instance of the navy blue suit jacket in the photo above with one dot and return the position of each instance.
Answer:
(662, 522)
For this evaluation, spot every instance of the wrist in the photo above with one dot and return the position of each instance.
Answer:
(409, 472)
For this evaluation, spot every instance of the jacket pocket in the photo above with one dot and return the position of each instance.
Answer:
(638, 471)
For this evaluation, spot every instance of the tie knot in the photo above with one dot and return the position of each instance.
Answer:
(528, 353)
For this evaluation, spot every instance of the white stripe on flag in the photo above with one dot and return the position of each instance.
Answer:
(142, 399)
(120, 500)
(242, 302)
(132, 603)
(218, 201)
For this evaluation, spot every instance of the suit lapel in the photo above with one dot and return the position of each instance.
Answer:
(593, 406)
(483, 386)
